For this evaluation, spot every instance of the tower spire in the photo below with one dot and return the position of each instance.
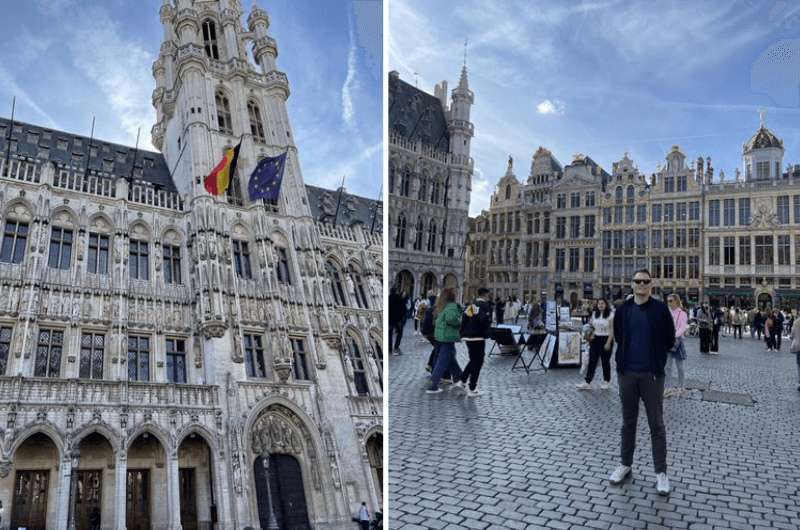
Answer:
(762, 113)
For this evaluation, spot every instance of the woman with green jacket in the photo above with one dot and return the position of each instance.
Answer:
(447, 315)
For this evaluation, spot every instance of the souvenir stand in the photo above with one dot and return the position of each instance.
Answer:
(564, 344)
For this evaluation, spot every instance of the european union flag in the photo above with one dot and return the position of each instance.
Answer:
(265, 182)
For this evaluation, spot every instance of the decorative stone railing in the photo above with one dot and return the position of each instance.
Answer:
(365, 405)
(336, 232)
(48, 391)
(76, 180)
(301, 394)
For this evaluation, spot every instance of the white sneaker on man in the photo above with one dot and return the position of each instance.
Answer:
(605, 385)
(431, 391)
(662, 484)
(473, 393)
(459, 385)
(619, 474)
(584, 386)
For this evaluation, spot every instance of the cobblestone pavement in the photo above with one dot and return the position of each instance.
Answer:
(535, 452)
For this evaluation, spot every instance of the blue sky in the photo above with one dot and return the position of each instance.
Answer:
(602, 77)
(71, 59)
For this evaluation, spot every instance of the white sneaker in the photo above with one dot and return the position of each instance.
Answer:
(619, 474)
(473, 393)
(459, 385)
(584, 386)
(605, 385)
(437, 391)
(662, 484)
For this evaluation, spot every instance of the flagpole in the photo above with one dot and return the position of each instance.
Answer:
(338, 203)
(375, 211)
(89, 151)
(10, 131)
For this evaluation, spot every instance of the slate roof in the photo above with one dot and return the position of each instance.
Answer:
(412, 110)
(67, 149)
(352, 209)
(763, 138)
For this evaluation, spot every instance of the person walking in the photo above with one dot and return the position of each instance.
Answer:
(427, 329)
(678, 352)
(397, 311)
(644, 332)
(475, 325)
(705, 325)
(419, 313)
(795, 347)
(769, 330)
(600, 346)
(716, 325)
(759, 322)
(363, 516)
(447, 315)
(499, 309)
(778, 318)
(738, 322)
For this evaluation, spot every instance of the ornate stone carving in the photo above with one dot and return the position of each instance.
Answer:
(214, 329)
(274, 434)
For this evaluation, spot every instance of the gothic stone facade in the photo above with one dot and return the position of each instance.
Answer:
(159, 346)
(430, 179)
(730, 241)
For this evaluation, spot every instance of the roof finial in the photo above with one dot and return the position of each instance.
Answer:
(466, 42)
(416, 79)
(761, 115)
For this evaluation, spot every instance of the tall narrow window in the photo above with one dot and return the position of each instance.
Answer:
(176, 360)
(254, 356)
(419, 234)
(432, 236)
(400, 238)
(377, 356)
(729, 250)
(223, 114)
(60, 248)
(5, 346)
(92, 352)
(358, 284)
(15, 239)
(764, 252)
(48, 353)
(744, 211)
(336, 283)
(436, 189)
(98, 254)
(256, 125)
(745, 250)
(422, 192)
(713, 251)
(301, 372)
(284, 276)
(713, 213)
(359, 371)
(784, 254)
(139, 260)
(783, 209)
(210, 39)
(138, 358)
(172, 264)
(241, 259)
(405, 182)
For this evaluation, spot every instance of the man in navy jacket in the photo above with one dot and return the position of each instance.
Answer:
(644, 332)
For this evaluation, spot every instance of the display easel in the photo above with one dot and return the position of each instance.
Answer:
(554, 326)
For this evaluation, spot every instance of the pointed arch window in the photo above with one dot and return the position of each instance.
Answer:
(436, 188)
(508, 191)
(377, 355)
(256, 125)
(405, 182)
(392, 171)
(423, 188)
(629, 194)
(336, 283)
(223, 114)
(358, 285)
(359, 370)
(432, 236)
(420, 234)
(400, 239)
(210, 39)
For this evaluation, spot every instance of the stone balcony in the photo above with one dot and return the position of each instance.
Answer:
(40, 391)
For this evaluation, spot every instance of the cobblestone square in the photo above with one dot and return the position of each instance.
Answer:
(535, 452)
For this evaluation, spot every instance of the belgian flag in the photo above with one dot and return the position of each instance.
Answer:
(220, 178)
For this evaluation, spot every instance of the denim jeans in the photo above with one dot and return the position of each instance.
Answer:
(445, 362)
(668, 370)
(635, 386)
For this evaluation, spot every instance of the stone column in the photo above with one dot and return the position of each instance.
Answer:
(64, 487)
(173, 492)
(120, 487)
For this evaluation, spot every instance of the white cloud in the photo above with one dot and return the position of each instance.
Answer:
(550, 106)
(23, 97)
(350, 83)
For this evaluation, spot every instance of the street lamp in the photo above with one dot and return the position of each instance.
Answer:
(272, 523)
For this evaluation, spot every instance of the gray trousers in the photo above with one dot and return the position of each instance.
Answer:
(635, 386)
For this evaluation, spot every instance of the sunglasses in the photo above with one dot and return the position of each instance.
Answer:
(639, 282)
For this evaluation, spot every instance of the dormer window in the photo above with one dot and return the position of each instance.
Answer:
(210, 39)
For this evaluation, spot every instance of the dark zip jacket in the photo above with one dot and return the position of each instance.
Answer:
(662, 333)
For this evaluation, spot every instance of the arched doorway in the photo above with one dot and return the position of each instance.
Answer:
(93, 491)
(146, 504)
(450, 281)
(428, 283)
(35, 483)
(404, 281)
(375, 458)
(195, 479)
(287, 498)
